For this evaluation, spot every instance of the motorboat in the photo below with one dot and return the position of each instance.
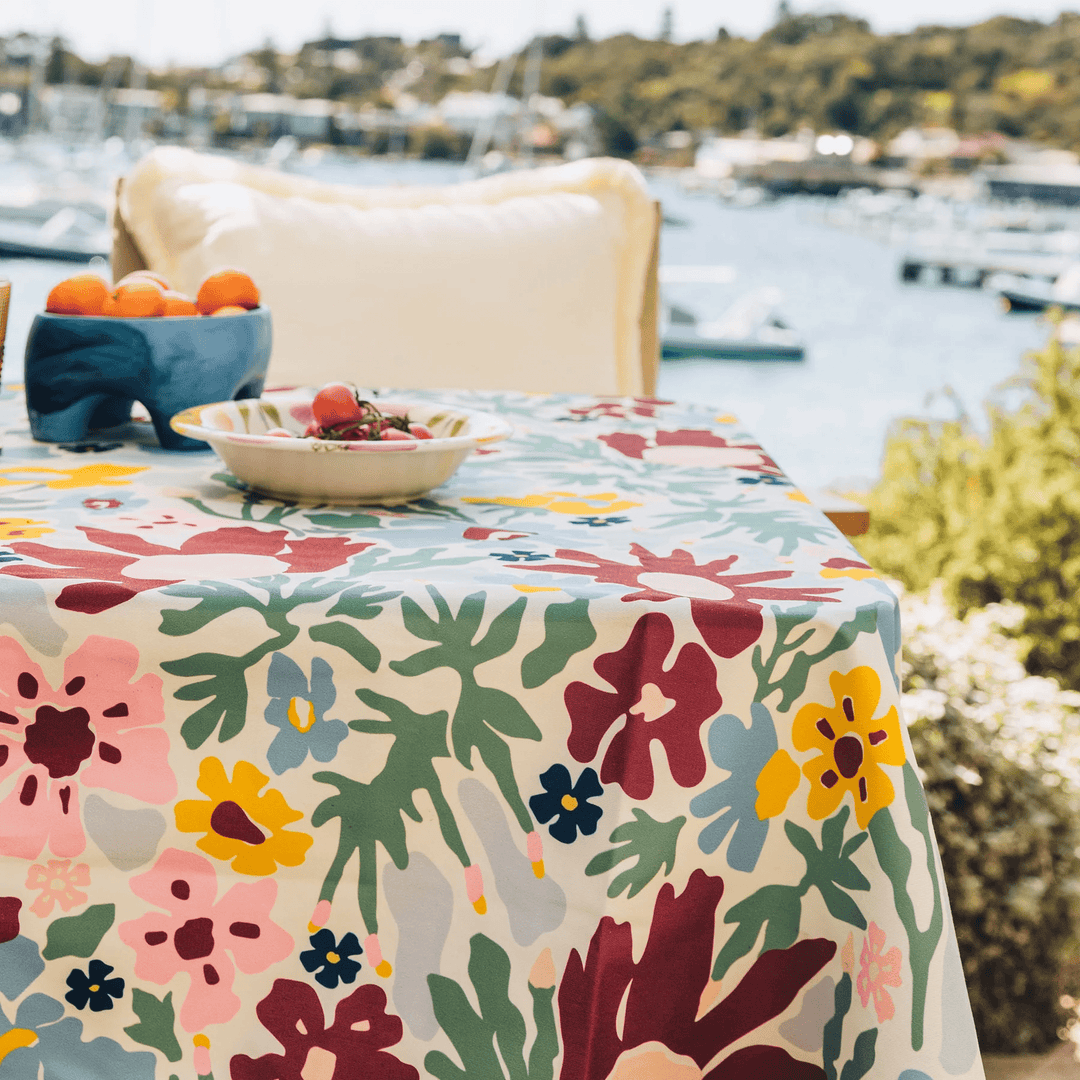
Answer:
(1034, 294)
(750, 329)
(69, 233)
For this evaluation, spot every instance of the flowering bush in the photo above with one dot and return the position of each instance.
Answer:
(1000, 755)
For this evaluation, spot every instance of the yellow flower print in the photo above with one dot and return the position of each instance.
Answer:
(239, 823)
(12, 528)
(563, 502)
(853, 744)
(776, 783)
(82, 476)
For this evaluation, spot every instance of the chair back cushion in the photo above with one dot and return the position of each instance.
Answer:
(526, 281)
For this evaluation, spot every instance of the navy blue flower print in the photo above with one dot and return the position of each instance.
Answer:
(567, 803)
(764, 478)
(596, 522)
(518, 556)
(333, 957)
(93, 987)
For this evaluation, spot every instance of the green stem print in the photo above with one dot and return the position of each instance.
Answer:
(895, 860)
(567, 630)
(651, 842)
(497, 1031)
(793, 681)
(778, 908)
(863, 1053)
(371, 814)
(484, 714)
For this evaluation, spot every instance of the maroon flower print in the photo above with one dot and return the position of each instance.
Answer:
(722, 605)
(131, 564)
(693, 449)
(9, 918)
(666, 705)
(353, 1046)
(673, 1013)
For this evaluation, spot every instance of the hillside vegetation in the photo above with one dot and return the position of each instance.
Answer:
(1019, 77)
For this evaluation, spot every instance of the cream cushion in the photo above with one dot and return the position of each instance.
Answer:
(530, 280)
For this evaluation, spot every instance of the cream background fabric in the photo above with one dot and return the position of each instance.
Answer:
(528, 280)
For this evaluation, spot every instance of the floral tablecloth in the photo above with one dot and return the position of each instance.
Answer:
(590, 765)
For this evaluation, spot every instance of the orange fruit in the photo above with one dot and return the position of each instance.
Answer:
(176, 303)
(142, 275)
(83, 294)
(227, 288)
(230, 309)
(138, 299)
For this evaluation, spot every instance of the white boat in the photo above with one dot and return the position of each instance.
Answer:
(750, 329)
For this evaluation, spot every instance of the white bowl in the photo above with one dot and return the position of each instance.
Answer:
(329, 471)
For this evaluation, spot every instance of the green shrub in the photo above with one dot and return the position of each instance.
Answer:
(1000, 758)
(995, 517)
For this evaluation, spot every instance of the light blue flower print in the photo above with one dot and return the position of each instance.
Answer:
(744, 753)
(58, 1048)
(300, 711)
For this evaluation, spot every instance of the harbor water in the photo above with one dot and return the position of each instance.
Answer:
(876, 349)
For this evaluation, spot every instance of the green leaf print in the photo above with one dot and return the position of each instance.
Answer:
(833, 1035)
(862, 1056)
(567, 630)
(778, 908)
(372, 814)
(78, 935)
(156, 1023)
(793, 681)
(498, 1023)
(787, 526)
(652, 842)
(483, 713)
(863, 1053)
(359, 603)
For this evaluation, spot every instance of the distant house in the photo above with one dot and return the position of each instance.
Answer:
(718, 156)
(72, 111)
(467, 110)
(131, 111)
(1050, 183)
(312, 118)
(914, 147)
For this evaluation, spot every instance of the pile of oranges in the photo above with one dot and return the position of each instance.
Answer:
(145, 294)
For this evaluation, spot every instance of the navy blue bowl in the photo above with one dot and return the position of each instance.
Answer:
(84, 372)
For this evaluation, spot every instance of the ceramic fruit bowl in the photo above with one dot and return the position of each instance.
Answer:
(320, 470)
(83, 372)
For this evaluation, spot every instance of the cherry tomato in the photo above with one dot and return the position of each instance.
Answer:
(420, 431)
(393, 434)
(335, 404)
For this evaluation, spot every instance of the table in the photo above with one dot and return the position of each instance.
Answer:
(588, 764)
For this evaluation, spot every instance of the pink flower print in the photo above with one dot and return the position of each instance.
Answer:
(57, 885)
(197, 934)
(876, 972)
(99, 728)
